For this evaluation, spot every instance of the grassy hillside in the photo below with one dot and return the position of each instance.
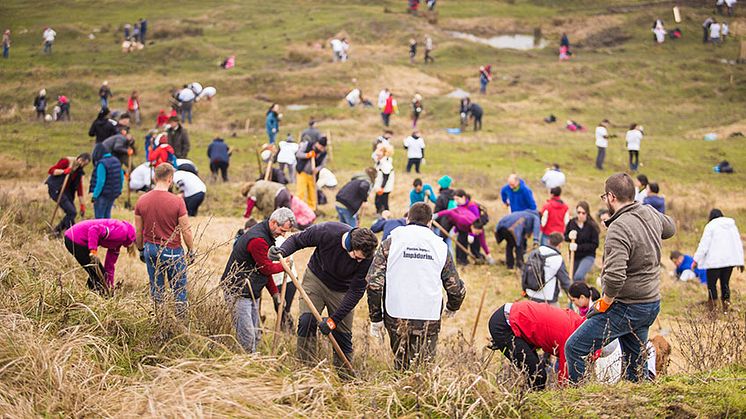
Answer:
(67, 352)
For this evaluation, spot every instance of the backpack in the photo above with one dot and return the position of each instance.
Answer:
(532, 277)
(484, 217)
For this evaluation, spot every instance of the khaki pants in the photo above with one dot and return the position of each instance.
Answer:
(321, 297)
(307, 189)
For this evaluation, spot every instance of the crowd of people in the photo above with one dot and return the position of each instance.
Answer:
(419, 254)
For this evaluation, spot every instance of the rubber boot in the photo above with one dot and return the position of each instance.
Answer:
(726, 306)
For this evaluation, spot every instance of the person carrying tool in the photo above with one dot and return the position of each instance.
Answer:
(470, 227)
(249, 270)
(68, 169)
(311, 158)
(586, 240)
(334, 279)
(83, 239)
(405, 280)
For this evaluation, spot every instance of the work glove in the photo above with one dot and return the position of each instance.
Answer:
(490, 260)
(470, 239)
(67, 171)
(130, 151)
(376, 330)
(424, 163)
(449, 314)
(82, 210)
(573, 234)
(276, 300)
(142, 255)
(573, 247)
(311, 154)
(326, 325)
(600, 306)
(93, 255)
(379, 192)
(274, 254)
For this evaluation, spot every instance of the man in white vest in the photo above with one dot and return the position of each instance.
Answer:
(405, 282)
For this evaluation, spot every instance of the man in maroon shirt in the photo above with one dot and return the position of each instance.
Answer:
(249, 270)
(72, 166)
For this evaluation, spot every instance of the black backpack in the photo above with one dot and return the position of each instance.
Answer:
(532, 277)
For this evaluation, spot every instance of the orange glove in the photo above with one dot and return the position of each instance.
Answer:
(326, 325)
(311, 154)
(601, 305)
(130, 151)
(379, 192)
(93, 252)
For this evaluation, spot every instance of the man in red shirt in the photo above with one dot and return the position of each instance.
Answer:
(518, 329)
(249, 270)
(161, 221)
(72, 166)
(554, 215)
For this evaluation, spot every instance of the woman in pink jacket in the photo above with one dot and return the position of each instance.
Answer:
(83, 239)
(469, 226)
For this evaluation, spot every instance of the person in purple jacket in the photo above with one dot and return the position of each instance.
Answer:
(470, 228)
(83, 239)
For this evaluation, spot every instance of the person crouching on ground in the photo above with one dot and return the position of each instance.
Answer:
(249, 270)
(83, 239)
(410, 309)
(334, 279)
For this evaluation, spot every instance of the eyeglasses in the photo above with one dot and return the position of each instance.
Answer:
(603, 197)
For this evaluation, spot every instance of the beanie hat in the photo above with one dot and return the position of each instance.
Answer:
(323, 141)
(445, 182)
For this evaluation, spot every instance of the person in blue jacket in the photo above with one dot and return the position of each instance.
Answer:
(220, 155)
(387, 224)
(515, 228)
(272, 123)
(517, 195)
(421, 193)
(107, 181)
(684, 269)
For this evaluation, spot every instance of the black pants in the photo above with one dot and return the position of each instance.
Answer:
(723, 274)
(600, 157)
(283, 199)
(474, 248)
(518, 351)
(511, 248)
(477, 122)
(222, 166)
(634, 160)
(193, 202)
(428, 58)
(68, 206)
(382, 202)
(415, 163)
(386, 118)
(81, 254)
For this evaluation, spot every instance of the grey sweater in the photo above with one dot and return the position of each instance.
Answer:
(632, 253)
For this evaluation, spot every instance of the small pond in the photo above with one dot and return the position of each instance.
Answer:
(515, 41)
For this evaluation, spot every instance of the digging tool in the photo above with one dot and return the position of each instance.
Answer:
(479, 313)
(258, 306)
(128, 203)
(461, 246)
(329, 143)
(268, 172)
(315, 313)
(258, 161)
(59, 198)
(572, 254)
(280, 311)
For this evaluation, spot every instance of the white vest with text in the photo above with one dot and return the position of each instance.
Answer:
(414, 288)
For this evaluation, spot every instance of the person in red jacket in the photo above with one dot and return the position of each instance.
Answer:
(163, 152)
(554, 215)
(70, 168)
(518, 329)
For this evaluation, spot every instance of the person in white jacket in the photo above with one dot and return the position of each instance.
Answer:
(286, 157)
(384, 183)
(634, 138)
(720, 250)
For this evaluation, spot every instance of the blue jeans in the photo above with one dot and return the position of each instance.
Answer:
(165, 263)
(6, 51)
(47, 47)
(246, 321)
(186, 115)
(582, 267)
(483, 86)
(271, 136)
(628, 322)
(104, 102)
(102, 207)
(346, 216)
